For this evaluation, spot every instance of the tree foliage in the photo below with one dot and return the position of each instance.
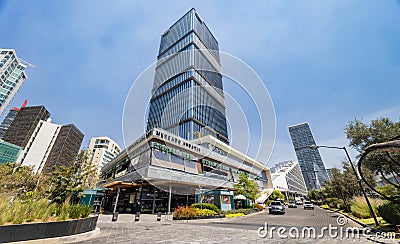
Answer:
(344, 184)
(362, 135)
(20, 181)
(277, 194)
(317, 195)
(388, 190)
(68, 183)
(247, 187)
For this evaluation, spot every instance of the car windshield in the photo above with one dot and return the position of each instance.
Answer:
(307, 202)
(276, 203)
(291, 202)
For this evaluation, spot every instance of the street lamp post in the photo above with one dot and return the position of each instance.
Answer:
(357, 177)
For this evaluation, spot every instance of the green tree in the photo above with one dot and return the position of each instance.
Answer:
(247, 187)
(68, 183)
(276, 194)
(16, 180)
(362, 135)
(388, 190)
(316, 194)
(344, 184)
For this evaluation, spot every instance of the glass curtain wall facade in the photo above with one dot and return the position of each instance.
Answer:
(12, 76)
(8, 152)
(311, 164)
(7, 122)
(187, 96)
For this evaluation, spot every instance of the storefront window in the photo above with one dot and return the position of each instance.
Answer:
(225, 199)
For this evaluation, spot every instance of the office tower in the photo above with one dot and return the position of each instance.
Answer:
(310, 161)
(187, 96)
(65, 148)
(12, 76)
(40, 143)
(9, 119)
(287, 177)
(184, 150)
(24, 124)
(102, 150)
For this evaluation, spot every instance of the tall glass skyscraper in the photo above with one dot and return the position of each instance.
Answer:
(12, 76)
(312, 167)
(187, 96)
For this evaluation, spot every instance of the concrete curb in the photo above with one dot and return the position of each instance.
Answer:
(63, 239)
(355, 220)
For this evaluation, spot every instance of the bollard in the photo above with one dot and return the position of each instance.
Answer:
(159, 216)
(114, 217)
(137, 216)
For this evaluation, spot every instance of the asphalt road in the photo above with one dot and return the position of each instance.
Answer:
(294, 217)
(236, 230)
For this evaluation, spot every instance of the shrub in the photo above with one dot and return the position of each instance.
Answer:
(74, 211)
(61, 211)
(77, 211)
(234, 215)
(324, 206)
(359, 207)
(260, 207)
(185, 212)
(390, 212)
(85, 210)
(332, 202)
(341, 205)
(205, 212)
(18, 212)
(209, 206)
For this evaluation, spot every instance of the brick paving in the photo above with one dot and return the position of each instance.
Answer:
(237, 230)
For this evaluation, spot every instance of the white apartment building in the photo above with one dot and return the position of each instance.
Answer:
(287, 177)
(12, 76)
(39, 146)
(102, 149)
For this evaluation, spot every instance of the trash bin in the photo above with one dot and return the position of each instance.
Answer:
(114, 217)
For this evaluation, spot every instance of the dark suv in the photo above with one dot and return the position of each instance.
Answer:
(276, 207)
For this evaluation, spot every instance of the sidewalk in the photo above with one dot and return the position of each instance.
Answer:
(150, 218)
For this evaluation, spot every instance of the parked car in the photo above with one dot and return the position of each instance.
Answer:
(276, 207)
(299, 202)
(292, 204)
(308, 205)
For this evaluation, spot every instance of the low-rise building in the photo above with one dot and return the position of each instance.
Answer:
(161, 171)
(287, 177)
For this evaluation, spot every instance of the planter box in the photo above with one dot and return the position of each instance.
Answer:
(25, 232)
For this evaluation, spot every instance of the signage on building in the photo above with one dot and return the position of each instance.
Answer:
(176, 140)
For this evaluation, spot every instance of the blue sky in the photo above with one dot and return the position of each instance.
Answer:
(325, 62)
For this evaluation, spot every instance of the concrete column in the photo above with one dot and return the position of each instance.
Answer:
(116, 199)
(154, 201)
(169, 199)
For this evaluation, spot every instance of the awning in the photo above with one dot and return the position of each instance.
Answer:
(239, 197)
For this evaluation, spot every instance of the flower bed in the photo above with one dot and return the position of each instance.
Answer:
(188, 213)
